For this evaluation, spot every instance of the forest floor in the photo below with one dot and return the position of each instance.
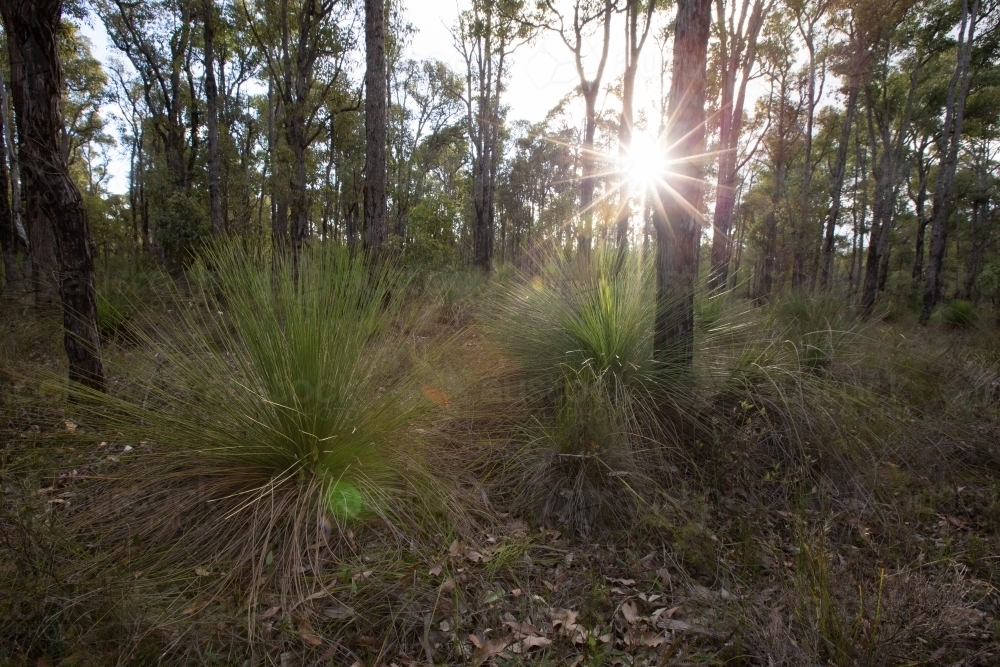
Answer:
(754, 556)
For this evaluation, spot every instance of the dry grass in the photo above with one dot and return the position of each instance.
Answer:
(837, 505)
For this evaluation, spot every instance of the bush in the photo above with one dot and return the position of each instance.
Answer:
(275, 412)
(580, 337)
(122, 291)
(959, 314)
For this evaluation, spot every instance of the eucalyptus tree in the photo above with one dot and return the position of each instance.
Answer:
(635, 40)
(737, 42)
(37, 90)
(944, 186)
(428, 102)
(376, 126)
(677, 216)
(809, 16)
(486, 37)
(305, 48)
(587, 15)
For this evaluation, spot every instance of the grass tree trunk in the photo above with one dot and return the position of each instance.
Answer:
(31, 27)
(376, 205)
(212, 102)
(678, 213)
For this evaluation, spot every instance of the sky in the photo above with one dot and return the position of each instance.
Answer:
(542, 72)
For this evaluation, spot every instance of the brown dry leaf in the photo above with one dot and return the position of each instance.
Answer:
(435, 571)
(523, 629)
(516, 592)
(476, 641)
(447, 586)
(474, 556)
(269, 613)
(194, 607)
(436, 396)
(623, 582)
(492, 647)
(202, 572)
(70, 426)
(630, 612)
(665, 577)
(529, 643)
(453, 549)
(564, 619)
(338, 613)
(651, 639)
(307, 633)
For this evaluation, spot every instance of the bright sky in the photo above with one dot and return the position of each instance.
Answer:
(542, 72)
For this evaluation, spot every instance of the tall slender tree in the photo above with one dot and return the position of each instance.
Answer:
(944, 186)
(677, 215)
(376, 125)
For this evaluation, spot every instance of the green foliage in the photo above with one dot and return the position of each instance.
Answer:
(580, 335)
(123, 289)
(182, 227)
(959, 314)
(285, 391)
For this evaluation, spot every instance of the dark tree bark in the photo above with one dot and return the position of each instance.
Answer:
(678, 212)
(8, 235)
(31, 27)
(944, 188)
(212, 102)
(376, 204)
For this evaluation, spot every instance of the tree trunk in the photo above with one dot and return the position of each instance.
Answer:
(633, 49)
(944, 189)
(678, 214)
(212, 101)
(31, 27)
(8, 235)
(837, 186)
(376, 205)
(736, 63)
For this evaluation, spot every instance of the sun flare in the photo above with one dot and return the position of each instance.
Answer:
(645, 162)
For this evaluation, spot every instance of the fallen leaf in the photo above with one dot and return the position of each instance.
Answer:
(630, 612)
(444, 626)
(306, 632)
(435, 571)
(491, 648)
(529, 643)
(70, 426)
(453, 549)
(194, 607)
(623, 582)
(516, 592)
(563, 619)
(270, 612)
(436, 396)
(652, 639)
(338, 613)
(202, 572)
(665, 577)
(521, 630)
